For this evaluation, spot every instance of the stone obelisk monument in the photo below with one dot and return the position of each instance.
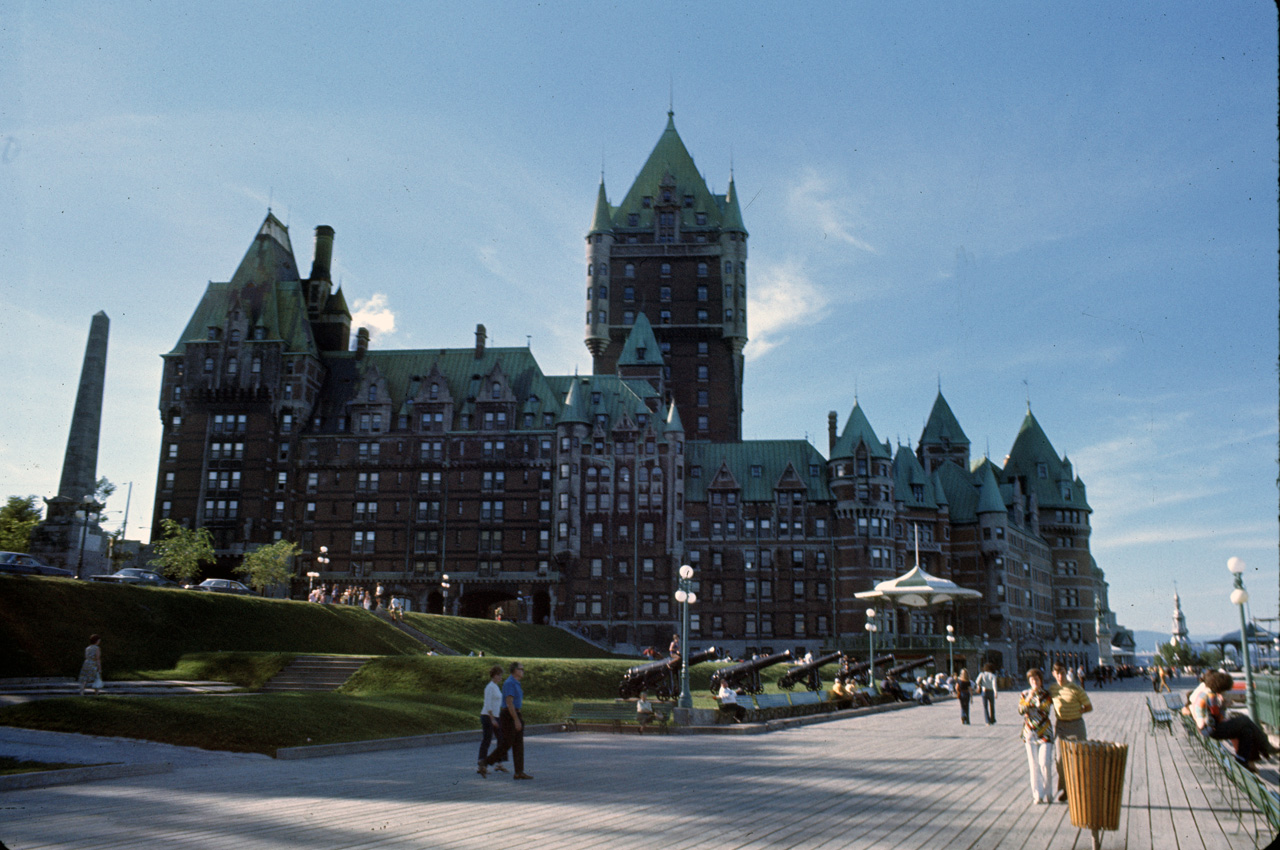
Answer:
(69, 535)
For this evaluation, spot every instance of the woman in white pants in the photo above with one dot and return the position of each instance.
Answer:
(1035, 705)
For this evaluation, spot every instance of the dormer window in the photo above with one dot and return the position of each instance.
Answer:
(666, 196)
(235, 336)
(496, 390)
(595, 398)
(434, 392)
(633, 220)
(373, 392)
(688, 201)
(647, 202)
(700, 218)
(213, 333)
(1042, 470)
(259, 333)
(641, 352)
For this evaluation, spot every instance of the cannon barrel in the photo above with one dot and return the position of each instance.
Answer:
(906, 666)
(747, 673)
(862, 666)
(808, 672)
(658, 677)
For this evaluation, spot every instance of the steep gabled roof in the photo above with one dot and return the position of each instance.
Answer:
(1034, 459)
(669, 164)
(942, 427)
(641, 341)
(265, 289)
(990, 501)
(758, 466)
(907, 474)
(858, 430)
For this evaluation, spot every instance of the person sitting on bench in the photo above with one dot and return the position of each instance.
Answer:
(729, 703)
(644, 710)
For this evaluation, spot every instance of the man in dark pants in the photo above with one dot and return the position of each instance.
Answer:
(511, 723)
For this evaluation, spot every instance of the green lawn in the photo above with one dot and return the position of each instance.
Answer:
(508, 639)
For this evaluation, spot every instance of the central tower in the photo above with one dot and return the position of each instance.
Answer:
(677, 254)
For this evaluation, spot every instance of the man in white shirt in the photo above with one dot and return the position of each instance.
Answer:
(986, 685)
(729, 703)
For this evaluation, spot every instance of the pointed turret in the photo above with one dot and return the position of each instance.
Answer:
(989, 498)
(942, 439)
(641, 347)
(858, 430)
(911, 485)
(732, 213)
(602, 221)
(1034, 459)
(577, 402)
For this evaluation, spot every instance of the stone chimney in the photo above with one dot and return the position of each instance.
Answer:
(480, 336)
(362, 342)
(323, 253)
(833, 424)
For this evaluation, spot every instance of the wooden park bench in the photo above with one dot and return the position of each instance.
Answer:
(1159, 717)
(618, 714)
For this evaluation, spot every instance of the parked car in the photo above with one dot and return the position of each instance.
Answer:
(223, 585)
(133, 575)
(23, 564)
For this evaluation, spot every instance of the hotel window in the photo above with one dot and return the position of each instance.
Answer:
(256, 365)
(665, 269)
(629, 270)
(233, 366)
(664, 317)
(628, 317)
(702, 373)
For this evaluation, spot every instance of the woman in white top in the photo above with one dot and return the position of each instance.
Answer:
(489, 719)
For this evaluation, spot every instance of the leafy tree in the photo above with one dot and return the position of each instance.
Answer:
(267, 566)
(102, 490)
(18, 516)
(179, 553)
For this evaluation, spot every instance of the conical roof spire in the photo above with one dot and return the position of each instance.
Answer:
(602, 220)
(732, 212)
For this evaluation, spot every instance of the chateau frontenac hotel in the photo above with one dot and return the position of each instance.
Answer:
(574, 499)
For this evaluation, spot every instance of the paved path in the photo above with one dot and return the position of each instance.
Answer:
(908, 779)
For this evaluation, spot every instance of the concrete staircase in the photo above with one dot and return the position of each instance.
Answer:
(316, 673)
(426, 640)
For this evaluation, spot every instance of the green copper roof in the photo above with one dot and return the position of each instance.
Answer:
(602, 221)
(1034, 458)
(858, 430)
(575, 402)
(732, 213)
(337, 304)
(961, 494)
(759, 466)
(620, 401)
(909, 478)
(669, 165)
(673, 418)
(265, 290)
(459, 368)
(989, 498)
(942, 427)
(641, 347)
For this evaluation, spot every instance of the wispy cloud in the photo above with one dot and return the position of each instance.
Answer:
(782, 297)
(374, 314)
(814, 200)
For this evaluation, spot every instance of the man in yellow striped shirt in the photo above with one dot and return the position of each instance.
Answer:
(1070, 704)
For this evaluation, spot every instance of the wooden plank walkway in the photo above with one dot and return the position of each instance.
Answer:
(907, 779)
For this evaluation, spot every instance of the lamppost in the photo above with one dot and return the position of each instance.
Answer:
(686, 597)
(872, 628)
(322, 562)
(1239, 597)
(444, 585)
(986, 649)
(951, 646)
(87, 504)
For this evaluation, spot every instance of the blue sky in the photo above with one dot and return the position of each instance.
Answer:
(1072, 203)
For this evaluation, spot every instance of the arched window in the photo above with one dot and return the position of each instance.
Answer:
(591, 269)
(256, 365)
(232, 366)
(208, 364)
(435, 392)
(496, 390)
(604, 268)
(629, 270)
(373, 392)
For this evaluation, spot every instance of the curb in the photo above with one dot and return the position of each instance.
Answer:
(73, 775)
(383, 744)
(781, 723)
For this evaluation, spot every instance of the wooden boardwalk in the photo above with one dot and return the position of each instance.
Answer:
(906, 779)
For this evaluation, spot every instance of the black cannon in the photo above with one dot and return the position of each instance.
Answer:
(850, 669)
(808, 673)
(746, 676)
(659, 678)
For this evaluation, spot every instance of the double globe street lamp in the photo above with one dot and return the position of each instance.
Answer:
(951, 646)
(872, 628)
(686, 597)
(1239, 597)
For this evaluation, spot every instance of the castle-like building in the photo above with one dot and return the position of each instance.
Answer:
(575, 498)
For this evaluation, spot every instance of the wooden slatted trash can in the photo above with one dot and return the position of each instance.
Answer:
(1094, 773)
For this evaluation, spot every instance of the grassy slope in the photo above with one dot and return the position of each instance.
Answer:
(505, 639)
(45, 624)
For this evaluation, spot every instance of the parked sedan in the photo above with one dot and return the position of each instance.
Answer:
(223, 585)
(133, 575)
(23, 564)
